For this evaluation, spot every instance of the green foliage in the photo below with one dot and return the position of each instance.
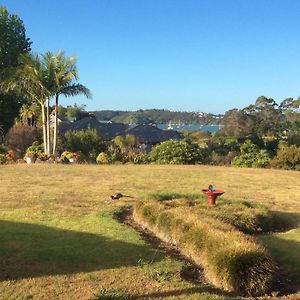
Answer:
(176, 152)
(102, 158)
(87, 142)
(287, 157)
(2, 159)
(36, 147)
(230, 259)
(13, 42)
(126, 150)
(251, 157)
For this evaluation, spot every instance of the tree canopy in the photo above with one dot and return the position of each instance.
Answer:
(13, 43)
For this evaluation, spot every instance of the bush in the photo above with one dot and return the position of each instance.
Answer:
(220, 160)
(36, 147)
(2, 159)
(230, 259)
(251, 157)
(175, 152)
(137, 157)
(86, 142)
(102, 158)
(287, 157)
(21, 137)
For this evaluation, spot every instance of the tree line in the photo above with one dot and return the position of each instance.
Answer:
(158, 116)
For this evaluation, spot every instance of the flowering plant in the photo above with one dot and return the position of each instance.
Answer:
(30, 154)
(70, 155)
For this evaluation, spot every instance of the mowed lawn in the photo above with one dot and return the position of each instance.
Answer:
(58, 238)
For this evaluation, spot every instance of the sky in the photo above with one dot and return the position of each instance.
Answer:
(187, 55)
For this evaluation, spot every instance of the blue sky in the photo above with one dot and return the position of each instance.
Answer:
(185, 55)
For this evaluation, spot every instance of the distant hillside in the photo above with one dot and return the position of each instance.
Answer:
(158, 116)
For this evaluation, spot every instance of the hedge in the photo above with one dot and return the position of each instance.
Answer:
(231, 260)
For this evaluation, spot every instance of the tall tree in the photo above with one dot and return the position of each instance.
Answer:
(29, 79)
(13, 43)
(62, 80)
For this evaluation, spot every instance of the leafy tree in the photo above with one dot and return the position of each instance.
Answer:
(238, 123)
(13, 43)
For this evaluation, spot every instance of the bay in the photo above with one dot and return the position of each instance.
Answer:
(210, 128)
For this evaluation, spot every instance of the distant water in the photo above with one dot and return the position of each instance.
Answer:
(210, 128)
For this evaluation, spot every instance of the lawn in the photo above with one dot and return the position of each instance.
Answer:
(59, 239)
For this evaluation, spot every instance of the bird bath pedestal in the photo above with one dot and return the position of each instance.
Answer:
(212, 195)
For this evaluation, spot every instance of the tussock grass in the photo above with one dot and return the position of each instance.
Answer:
(165, 196)
(248, 217)
(231, 260)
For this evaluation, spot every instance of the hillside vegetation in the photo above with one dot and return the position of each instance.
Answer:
(158, 116)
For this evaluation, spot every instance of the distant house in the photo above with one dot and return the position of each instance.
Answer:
(148, 135)
(60, 119)
(106, 130)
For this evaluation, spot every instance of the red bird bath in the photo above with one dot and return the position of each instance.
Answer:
(212, 195)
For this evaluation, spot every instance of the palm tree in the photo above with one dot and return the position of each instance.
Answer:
(27, 114)
(62, 80)
(29, 80)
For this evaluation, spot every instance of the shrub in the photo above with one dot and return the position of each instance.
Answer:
(230, 259)
(11, 155)
(21, 137)
(251, 156)
(2, 159)
(175, 152)
(102, 158)
(136, 157)
(287, 157)
(218, 159)
(87, 142)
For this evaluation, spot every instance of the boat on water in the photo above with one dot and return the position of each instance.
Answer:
(170, 127)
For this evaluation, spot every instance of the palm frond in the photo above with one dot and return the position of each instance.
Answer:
(76, 89)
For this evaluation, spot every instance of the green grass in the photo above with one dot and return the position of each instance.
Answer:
(59, 240)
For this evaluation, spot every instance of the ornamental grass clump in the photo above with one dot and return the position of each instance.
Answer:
(231, 260)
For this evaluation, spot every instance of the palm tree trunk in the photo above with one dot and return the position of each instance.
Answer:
(48, 127)
(55, 125)
(44, 129)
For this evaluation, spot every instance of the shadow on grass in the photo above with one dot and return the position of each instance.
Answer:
(286, 253)
(287, 220)
(30, 250)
